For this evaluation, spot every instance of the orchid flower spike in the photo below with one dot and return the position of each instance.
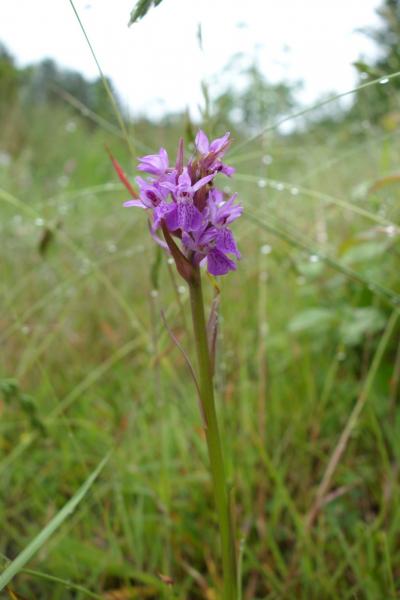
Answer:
(188, 208)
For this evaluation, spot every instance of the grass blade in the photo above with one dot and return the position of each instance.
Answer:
(34, 546)
(310, 109)
(106, 84)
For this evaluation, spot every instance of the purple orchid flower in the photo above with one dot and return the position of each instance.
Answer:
(151, 194)
(222, 212)
(183, 213)
(185, 204)
(155, 164)
(184, 185)
(212, 152)
(212, 245)
(216, 147)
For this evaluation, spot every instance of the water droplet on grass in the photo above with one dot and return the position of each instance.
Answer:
(390, 230)
(294, 191)
(39, 222)
(5, 159)
(70, 126)
(261, 183)
(384, 80)
(314, 258)
(266, 249)
(181, 289)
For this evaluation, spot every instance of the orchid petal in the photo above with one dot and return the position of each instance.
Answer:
(201, 142)
(138, 203)
(218, 263)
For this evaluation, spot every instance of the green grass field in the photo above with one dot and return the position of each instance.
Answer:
(307, 372)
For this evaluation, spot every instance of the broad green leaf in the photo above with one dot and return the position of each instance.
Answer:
(34, 546)
(359, 322)
(364, 252)
(141, 9)
(312, 319)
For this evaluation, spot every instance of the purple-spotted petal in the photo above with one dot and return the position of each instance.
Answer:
(172, 218)
(226, 242)
(218, 263)
(162, 211)
(226, 170)
(184, 216)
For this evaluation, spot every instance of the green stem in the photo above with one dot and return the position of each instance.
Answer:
(221, 495)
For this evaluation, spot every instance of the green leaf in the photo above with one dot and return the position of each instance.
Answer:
(141, 9)
(34, 546)
(313, 319)
(364, 252)
(359, 322)
(362, 67)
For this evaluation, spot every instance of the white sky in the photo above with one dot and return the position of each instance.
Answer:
(157, 64)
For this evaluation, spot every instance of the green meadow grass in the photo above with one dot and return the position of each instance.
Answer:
(307, 372)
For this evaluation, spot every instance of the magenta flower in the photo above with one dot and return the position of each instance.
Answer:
(211, 152)
(212, 245)
(185, 204)
(222, 212)
(155, 164)
(216, 147)
(151, 194)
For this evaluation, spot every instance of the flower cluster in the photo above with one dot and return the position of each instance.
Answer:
(183, 199)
